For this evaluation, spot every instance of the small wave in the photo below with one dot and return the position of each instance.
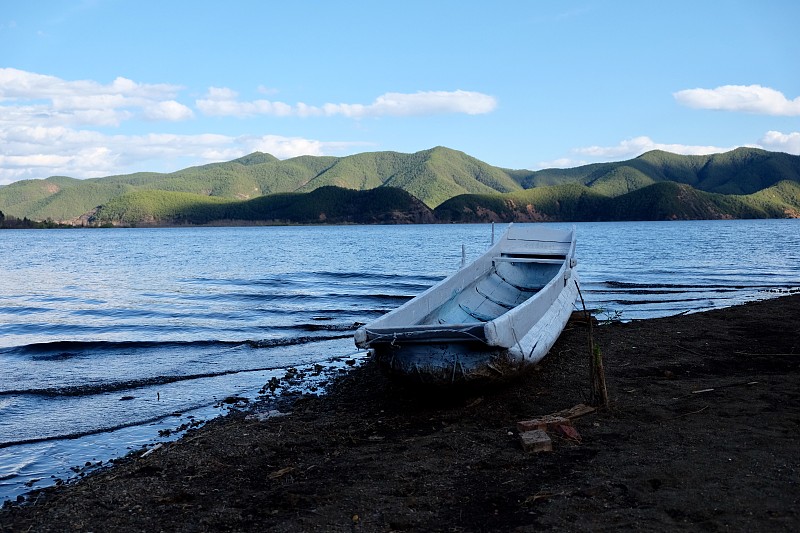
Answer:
(128, 313)
(10, 471)
(302, 278)
(630, 285)
(102, 388)
(310, 298)
(374, 312)
(390, 296)
(291, 341)
(669, 301)
(116, 386)
(704, 290)
(60, 356)
(96, 431)
(65, 350)
(379, 276)
(327, 327)
(23, 310)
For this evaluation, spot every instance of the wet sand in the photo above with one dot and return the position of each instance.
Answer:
(703, 433)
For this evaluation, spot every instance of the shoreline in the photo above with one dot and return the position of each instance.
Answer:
(701, 433)
(276, 394)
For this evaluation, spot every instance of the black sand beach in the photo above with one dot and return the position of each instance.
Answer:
(703, 433)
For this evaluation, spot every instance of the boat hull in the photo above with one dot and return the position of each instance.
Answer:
(462, 361)
(487, 322)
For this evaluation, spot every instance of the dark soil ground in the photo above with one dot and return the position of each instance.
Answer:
(702, 434)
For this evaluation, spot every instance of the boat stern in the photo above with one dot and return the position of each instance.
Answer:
(447, 364)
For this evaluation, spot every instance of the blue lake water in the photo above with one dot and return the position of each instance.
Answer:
(108, 337)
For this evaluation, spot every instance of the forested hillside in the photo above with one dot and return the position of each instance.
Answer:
(666, 200)
(325, 205)
(743, 183)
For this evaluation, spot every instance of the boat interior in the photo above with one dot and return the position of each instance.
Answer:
(512, 279)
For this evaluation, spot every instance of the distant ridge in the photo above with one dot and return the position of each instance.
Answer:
(665, 200)
(740, 171)
(453, 186)
(325, 205)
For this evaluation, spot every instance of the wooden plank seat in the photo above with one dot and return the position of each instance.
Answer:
(527, 259)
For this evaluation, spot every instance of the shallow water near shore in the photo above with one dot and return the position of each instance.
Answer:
(108, 337)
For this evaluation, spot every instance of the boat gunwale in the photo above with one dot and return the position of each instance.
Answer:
(445, 333)
(484, 333)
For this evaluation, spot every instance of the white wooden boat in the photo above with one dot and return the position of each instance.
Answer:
(490, 319)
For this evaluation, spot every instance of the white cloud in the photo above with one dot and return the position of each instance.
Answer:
(627, 149)
(223, 102)
(562, 162)
(50, 126)
(27, 97)
(169, 110)
(15, 83)
(630, 148)
(745, 98)
(284, 147)
(781, 142)
(419, 104)
(636, 146)
(40, 151)
(221, 93)
(47, 114)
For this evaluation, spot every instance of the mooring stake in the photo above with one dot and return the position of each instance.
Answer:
(598, 394)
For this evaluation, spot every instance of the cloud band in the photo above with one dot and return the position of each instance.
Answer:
(743, 98)
(223, 102)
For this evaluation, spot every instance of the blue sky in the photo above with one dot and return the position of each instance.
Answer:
(99, 87)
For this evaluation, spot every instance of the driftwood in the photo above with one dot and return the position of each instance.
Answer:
(576, 411)
(533, 433)
(544, 422)
(151, 450)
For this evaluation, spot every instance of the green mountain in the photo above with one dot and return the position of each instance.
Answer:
(328, 204)
(740, 171)
(431, 175)
(437, 177)
(666, 200)
(547, 203)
